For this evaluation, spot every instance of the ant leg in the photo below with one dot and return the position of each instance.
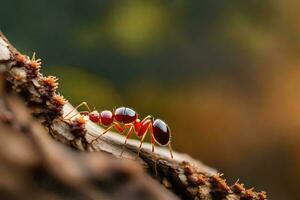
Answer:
(143, 132)
(85, 113)
(154, 158)
(128, 126)
(152, 138)
(105, 131)
(153, 145)
(171, 151)
(115, 125)
(142, 141)
(127, 137)
(78, 106)
(148, 117)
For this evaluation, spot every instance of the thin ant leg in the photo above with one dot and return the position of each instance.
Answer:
(131, 129)
(105, 131)
(153, 145)
(171, 151)
(78, 106)
(85, 113)
(146, 118)
(142, 141)
(143, 138)
(81, 113)
(69, 120)
(114, 125)
(146, 124)
(152, 137)
(128, 125)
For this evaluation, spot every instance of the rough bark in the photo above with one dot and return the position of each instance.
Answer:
(100, 175)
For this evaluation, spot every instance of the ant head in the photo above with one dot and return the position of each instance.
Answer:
(94, 116)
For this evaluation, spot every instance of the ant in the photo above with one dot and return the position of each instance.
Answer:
(124, 118)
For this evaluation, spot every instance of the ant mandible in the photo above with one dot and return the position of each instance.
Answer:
(124, 118)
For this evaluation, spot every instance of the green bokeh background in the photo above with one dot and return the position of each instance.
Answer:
(225, 75)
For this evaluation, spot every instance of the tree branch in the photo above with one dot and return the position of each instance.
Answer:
(186, 177)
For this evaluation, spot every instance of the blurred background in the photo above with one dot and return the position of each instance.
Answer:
(225, 75)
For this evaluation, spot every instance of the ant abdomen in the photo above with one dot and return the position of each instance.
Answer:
(161, 132)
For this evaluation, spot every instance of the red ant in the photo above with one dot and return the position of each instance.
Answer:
(126, 118)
